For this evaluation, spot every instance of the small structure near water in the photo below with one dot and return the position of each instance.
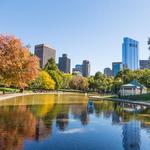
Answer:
(132, 88)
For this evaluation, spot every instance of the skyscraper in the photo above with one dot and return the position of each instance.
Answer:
(116, 67)
(108, 72)
(44, 52)
(77, 69)
(130, 54)
(86, 68)
(64, 63)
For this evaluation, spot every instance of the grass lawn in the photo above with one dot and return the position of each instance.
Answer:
(12, 90)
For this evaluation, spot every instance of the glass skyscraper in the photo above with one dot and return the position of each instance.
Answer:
(116, 67)
(130, 54)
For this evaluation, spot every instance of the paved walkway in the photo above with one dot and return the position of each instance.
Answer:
(120, 100)
(8, 96)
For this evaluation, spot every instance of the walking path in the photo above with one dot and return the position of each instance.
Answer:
(120, 100)
(8, 96)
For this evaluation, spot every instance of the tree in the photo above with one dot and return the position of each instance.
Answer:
(126, 75)
(66, 81)
(43, 81)
(101, 83)
(116, 85)
(51, 65)
(17, 68)
(145, 78)
(54, 72)
(92, 85)
(79, 83)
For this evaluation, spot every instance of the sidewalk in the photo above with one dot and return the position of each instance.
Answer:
(120, 100)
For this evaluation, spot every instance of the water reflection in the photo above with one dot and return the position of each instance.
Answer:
(131, 135)
(42, 121)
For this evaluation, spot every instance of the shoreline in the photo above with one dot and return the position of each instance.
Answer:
(94, 98)
(9, 96)
(97, 98)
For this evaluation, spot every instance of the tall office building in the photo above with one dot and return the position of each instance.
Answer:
(108, 72)
(116, 67)
(130, 54)
(64, 63)
(86, 68)
(44, 53)
(77, 70)
(144, 64)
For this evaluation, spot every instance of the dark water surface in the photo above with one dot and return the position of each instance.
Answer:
(64, 122)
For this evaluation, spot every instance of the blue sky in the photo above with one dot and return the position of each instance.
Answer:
(84, 29)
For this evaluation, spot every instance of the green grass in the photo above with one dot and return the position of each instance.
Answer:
(8, 90)
(142, 97)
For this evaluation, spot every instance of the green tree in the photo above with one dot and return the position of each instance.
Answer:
(126, 75)
(116, 85)
(101, 83)
(92, 85)
(54, 72)
(145, 78)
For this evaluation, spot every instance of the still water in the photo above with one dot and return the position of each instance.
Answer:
(65, 122)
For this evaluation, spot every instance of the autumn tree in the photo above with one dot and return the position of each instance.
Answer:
(17, 66)
(43, 81)
(79, 83)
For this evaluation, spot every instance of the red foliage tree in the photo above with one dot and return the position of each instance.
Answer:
(17, 66)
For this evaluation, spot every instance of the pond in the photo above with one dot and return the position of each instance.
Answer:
(66, 122)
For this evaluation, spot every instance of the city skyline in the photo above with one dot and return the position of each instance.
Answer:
(92, 34)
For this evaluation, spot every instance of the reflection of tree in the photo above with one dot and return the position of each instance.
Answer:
(108, 108)
(84, 118)
(62, 118)
(16, 123)
(104, 107)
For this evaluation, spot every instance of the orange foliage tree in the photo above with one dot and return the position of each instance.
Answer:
(17, 66)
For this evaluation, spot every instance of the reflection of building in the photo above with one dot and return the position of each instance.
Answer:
(144, 64)
(131, 135)
(108, 72)
(62, 121)
(130, 54)
(44, 53)
(64, 63)
(115, 118)
(41, 131)
(86, 68)
(80, 112)
(116, 67)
